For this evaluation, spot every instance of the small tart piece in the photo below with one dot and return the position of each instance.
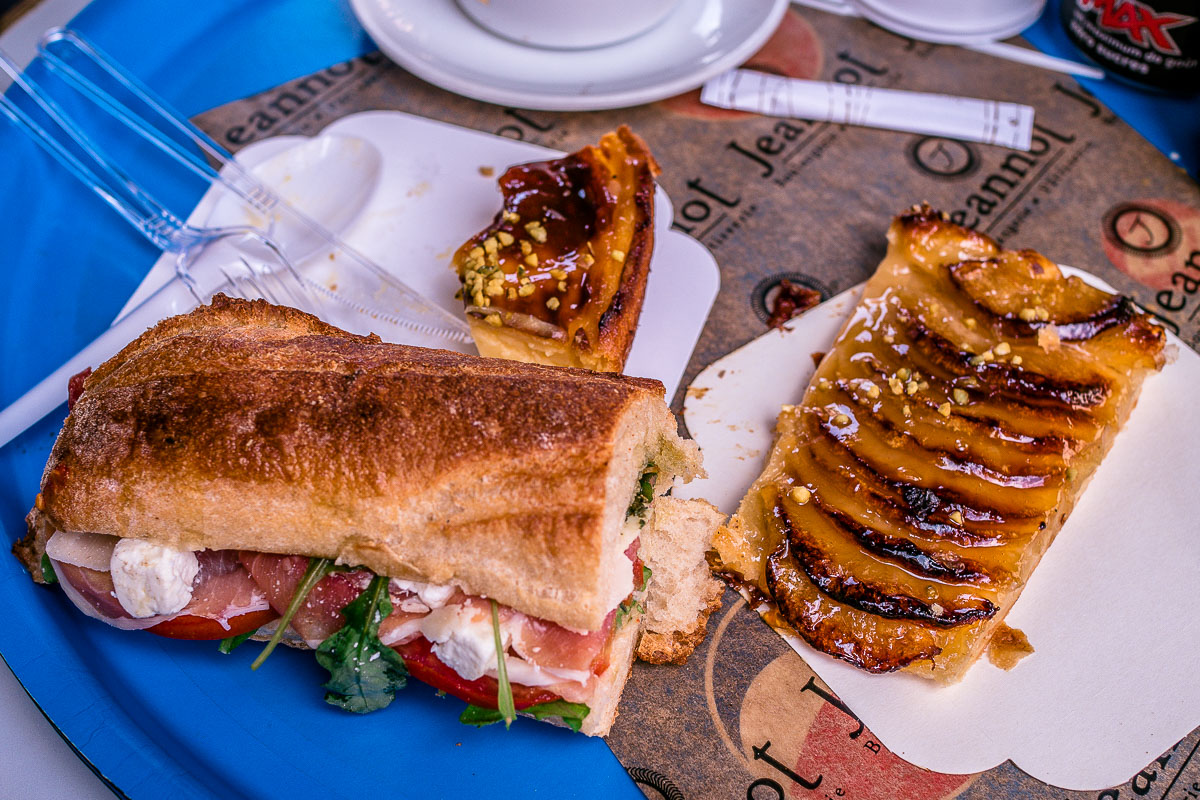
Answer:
(558, 278)
(937, 452)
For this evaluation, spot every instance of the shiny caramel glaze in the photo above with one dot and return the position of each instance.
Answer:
(937, 452)
(566, 258)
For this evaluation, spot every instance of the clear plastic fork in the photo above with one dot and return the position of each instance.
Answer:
(364, 287)
(240, 261)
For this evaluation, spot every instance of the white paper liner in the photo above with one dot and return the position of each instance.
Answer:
(437, 188)
(1111, 610)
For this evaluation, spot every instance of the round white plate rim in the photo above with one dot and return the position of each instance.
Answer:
(994, 31)
(370, 14)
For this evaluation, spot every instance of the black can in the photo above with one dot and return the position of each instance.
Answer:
(1154, 43)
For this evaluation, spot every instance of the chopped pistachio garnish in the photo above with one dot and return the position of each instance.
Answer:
(961, 397)
(872, 390)
(1041, 313)
(904, 373)
(536, 231)
(526, 247)
(957, 518)
(910, 388)
(562, 286)
(490, 245)
(558, 274)
(1016, 361)
(1027, 314)
(493, 319)
(552, 304)
(971, 323)
(618, 256)
(510, 293)
(531, 260)
(476, 252)
(944, 409)
(512, 216)
(801, 494)
(1072, 473)
(896, 386)
(1003, 349)
(841, 420)
(526, 289)
(587, 260)
(907, 410)
(505, 238)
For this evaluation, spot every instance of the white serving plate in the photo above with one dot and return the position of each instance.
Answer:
(432, 196)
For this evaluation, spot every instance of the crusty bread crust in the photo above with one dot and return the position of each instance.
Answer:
(251, 426)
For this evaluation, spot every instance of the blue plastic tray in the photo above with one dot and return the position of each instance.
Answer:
(159, 718)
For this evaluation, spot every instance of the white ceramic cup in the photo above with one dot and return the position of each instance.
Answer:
(567, 24)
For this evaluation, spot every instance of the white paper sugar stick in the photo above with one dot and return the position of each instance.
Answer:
(987, 121)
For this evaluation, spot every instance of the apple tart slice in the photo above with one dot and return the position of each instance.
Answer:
(937, 452)
(558, 278)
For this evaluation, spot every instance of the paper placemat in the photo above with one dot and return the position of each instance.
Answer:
(780, 198)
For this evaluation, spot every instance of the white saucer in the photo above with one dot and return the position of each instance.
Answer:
(435, 41)
(951, 23)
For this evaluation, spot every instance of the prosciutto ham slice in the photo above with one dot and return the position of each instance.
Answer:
(223, 590)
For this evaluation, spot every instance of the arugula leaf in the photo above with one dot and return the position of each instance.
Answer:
(504, 695)
(228, 645)
(318, 568)
(644, 495)
(573, 714)
(48, 573)
(625, 611)
(364, 673)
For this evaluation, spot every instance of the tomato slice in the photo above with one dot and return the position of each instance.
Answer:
(428, 668)
(188, 626)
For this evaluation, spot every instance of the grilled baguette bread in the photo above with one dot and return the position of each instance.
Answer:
(559, 276)
(937, 452)
(244, 426)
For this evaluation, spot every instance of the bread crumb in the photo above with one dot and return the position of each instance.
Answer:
(1008, 647)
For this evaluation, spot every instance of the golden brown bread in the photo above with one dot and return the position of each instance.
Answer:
(250, 426)
(939, 449)
(560, 275)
